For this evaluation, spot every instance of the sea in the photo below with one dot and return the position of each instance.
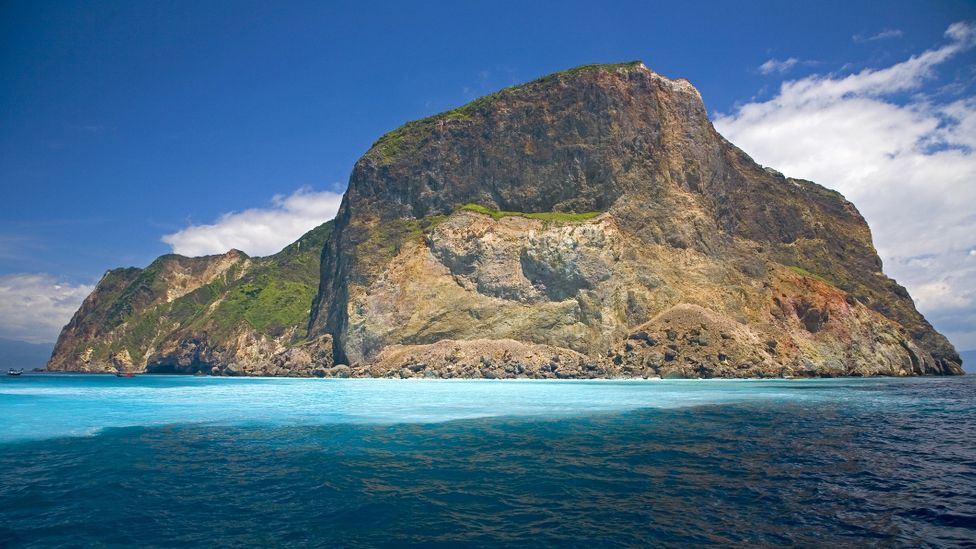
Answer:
(162, 461)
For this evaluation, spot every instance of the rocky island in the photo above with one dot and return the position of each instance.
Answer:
(588, 224)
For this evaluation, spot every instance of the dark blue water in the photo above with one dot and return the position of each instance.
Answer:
(849, 462)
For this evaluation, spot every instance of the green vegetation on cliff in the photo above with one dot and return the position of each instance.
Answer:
(808, 274)
(275, 293)
(138, 312)
(557, 217)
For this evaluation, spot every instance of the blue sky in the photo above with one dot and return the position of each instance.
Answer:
(130, 129)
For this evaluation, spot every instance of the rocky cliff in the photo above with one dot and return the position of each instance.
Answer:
(591, 223)
(594, 223)
(224, 314)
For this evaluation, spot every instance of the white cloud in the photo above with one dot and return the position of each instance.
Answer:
(34, 307)
(939, 294)
(910, 167)
(883, 35)
(777, 66)
(259, 231)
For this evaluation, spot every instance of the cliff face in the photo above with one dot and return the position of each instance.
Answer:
(689, 259)
(588, 224)
(224, 314)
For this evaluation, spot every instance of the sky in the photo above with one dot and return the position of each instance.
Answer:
(133, 129)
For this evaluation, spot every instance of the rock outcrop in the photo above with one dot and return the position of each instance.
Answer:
(591, 223)
(627, 214)
(225, 314)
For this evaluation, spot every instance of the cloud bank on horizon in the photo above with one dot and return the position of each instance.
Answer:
(259, 231)
(34, 307)
(909, 166)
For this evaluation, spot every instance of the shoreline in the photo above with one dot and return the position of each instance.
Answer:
(509, 379)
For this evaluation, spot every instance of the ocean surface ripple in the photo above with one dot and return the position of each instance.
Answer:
(165, 461)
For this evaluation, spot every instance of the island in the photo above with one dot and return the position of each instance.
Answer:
(588, 224)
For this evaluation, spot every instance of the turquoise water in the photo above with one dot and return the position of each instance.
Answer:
(167, 460)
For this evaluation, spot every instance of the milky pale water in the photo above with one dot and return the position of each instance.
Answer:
(168, 460)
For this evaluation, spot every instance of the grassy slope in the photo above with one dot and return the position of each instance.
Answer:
(276, 293)
(559, 217)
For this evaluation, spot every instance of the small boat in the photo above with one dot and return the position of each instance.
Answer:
(12, 372)
(125, 374)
